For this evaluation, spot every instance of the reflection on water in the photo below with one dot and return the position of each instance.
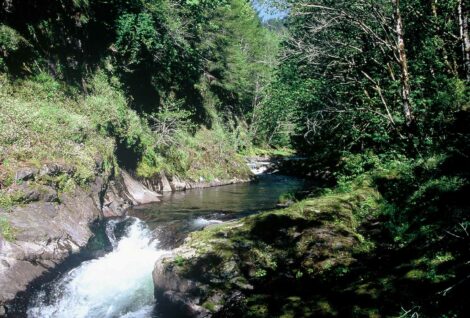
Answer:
(182, 212)
(224, 202)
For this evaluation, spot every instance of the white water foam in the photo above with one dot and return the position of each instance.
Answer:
(259, 167)
(201, 222)
(118, 284)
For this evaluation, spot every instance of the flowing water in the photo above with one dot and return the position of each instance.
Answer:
(115, 285)
(113, 276)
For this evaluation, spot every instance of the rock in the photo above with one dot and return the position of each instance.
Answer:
(47, 232)
(166, 187)
(25, 174)
(36, 193)
(174, 293)
(137, 192)
(219, 269)
(178, 185)
(54, 169)
(3, 311)
(176, 305)
(113, 202)
(184, 281)
(49, 195)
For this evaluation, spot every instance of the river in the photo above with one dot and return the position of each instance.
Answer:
(112, 276)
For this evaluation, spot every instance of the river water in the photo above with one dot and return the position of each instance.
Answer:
(112, 276)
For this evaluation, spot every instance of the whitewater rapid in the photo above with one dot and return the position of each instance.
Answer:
(118, 284)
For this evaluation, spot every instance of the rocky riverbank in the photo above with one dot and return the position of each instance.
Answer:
(45, 224)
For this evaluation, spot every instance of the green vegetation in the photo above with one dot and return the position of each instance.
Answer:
(8, 200)
(147, 86)
(374, 93)
(6, 230)
(377, 93)
(314, 241)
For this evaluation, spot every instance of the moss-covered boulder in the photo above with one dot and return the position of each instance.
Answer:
(261, 265)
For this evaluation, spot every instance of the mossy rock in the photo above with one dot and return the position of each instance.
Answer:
(314, 240)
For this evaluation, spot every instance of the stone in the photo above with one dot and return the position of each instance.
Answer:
(46, 233)
(48, 230)
(137, 192)
(166, 186)
(25, 174)
(178, 185)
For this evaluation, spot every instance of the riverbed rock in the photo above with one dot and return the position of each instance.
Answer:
(45, 233)
(162, 182)
(26, 173)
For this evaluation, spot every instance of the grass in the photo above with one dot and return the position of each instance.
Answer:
(8, 200)
(256, 151)
(208, 155)
(44, 121)
(41, 124)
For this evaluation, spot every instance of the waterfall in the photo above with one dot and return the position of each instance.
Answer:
(110, 227)
(118, 284)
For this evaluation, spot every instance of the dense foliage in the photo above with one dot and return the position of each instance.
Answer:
(187, 63)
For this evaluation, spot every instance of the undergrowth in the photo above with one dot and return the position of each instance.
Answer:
(43, 121)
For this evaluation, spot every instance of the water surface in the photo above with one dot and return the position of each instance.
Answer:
(114, 276)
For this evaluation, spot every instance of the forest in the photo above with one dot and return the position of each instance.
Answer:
(372, 95)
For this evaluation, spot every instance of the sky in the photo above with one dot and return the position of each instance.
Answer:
(267, 12)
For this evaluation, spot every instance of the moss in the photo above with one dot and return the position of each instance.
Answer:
(325, 308)
(416, 274)
(10, 199)
(316, 238)
(7, 231)
(258, 310)
(209, 306)
(179, 260)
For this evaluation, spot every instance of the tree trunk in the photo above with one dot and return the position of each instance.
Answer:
(452, 67)
(403, 61)
(463, 23)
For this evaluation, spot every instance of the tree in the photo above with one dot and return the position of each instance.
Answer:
(383, 71)
(464, 36)
(403, 60)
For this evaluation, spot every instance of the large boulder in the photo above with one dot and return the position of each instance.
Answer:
(137, 192)
(248, 267)
(45, 233)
